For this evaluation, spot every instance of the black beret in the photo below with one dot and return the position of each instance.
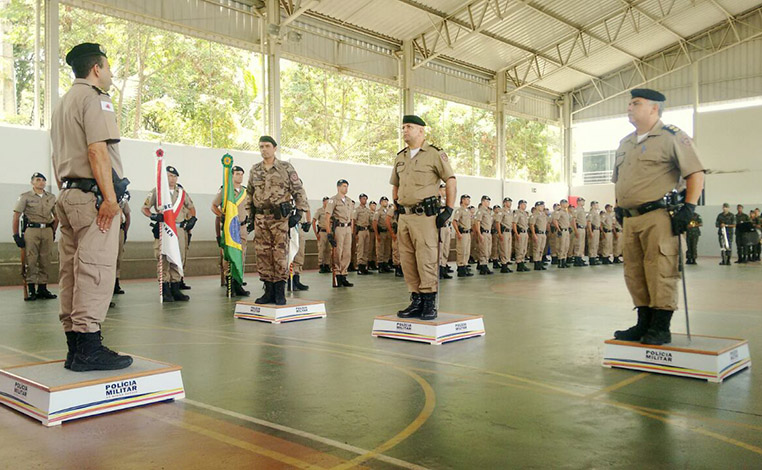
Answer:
(325, 198)
(580, 199)
(412, 119)
(593, 202)
(522, 201)
(470, 207)
(39, 175)
(539, 203)
(371, 203)
(341, 181)
(465, 196)
(507, 199)
(238, 168)
(362, 195)
(563, 200)
(485, 197)
(84, 50)
(384, 198)
(495, 207)
(267, 138)
(648, 94)
(173, 170)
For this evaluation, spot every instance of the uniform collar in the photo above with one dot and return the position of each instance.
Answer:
(658, 129)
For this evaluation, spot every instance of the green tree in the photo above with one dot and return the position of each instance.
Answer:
(17, 26)
(529, 150)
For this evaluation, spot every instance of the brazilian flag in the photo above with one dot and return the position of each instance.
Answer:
(231, 226)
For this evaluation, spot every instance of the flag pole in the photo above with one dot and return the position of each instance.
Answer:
(159, 263)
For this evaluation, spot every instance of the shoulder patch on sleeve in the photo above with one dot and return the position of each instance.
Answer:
(671, 129)
(442, 155)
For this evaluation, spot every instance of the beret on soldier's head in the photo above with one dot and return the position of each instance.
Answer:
(725, 204)
(363, 195)
(539, 203)
(507, 199)
(39, 175)
(384, 198)
(521, 201)
(342, 181)
(173, 170)
(495, 207)
(371, 203)
(413, 119)
(237, 168)
(84, 50)
(648, 94)
(486, 198)
(267, 138)
(325, 198)
(563, 201)
(465, 196)
(593, 202)
(580, 199)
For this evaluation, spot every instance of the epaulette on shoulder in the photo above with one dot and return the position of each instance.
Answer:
(99, 90)
(671, 129)
(435, 148)
(401, 151)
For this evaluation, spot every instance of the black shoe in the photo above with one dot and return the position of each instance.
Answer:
(522, 267)
(471, 260)
(463, 272)
(166, 293)
(174, 287)
(594, 262)
(372, 265)
(542, 266)
(269, 296)
(71, 343)
(93, 355)
(658, 333)
(344, 281)
(449, 268)
(117, 287)
(581, 262)
(351, 268)
(554, 260)
(429, 307)
(32, 294)
(279, 293)
(362, 270)
(617, 260)
(505, 269)
(414, 309)
(561, 264)
(443, 273)
(398, 271)
(495, 264)
(606, 260)
(537, 266)
(297, 283)
(238, 290)
(636, 333)
(484, 269)
(44, 293)
(182, 285)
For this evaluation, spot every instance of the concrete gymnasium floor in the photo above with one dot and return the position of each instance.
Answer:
(325, 394)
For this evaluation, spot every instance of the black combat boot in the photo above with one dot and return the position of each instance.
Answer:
(658, 333)
(463, 272)
(581, 261)
(93, 355)
(398, 271)
(449, 268)
(636, 333)
(471, 260)
(594, 261)
(429, 307)
(182, 285)
(297, 283)
(344, 281)
(324, 269)
(71, 343)
(32, 294)
(117, 287)
(362, 270)
(521, 267)
(443, 273)
(542, 266)
(495, 264)
(617, 260)
(269, 296)
(279, 293)
(238, 290)
(166, 293)
(569, 261)
(536, 266)
(554, 260)
(351, 268)
(44, 293)
(561, 264)
(505, 269)
(606, 260)
(414, 309)
(174, 287)
(372, 265)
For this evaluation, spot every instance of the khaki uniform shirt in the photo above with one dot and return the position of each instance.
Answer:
(362, 216)
(607, 221)
(380, 215)
(340, 209)
(463, 217)
(646, 171)
(594, 217)
(85, 115)
(418, 178)
(563, 219)
(318, 217)
(521, 218)
(484, 217)
(540, 221)
(270, 187)
(37, 208)
(580, 217)
(184, 214)
(243, 203)
(506, 219)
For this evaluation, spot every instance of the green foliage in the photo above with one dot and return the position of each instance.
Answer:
(530, 148)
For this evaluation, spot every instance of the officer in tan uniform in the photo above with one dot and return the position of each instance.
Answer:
(473, 257)
(618, 242)
(607, 234)
(552, 237)
(521, 227)
(324, 248)
(505, 235)
(483, 234)
(393, 224)
(445, 235)
(241, 195)
(186, 220)
(497, 214)
(277, 200)
(38, 209)
(579, 226)
(124, 227)
(298, 262)
(418, 170)
(462, 223)
(593, 228)
(339, 227)
(372, 238)
(561, 221)
(651, 162)
(88, 169)
(382, 235)
(538, 224)
(362, 225)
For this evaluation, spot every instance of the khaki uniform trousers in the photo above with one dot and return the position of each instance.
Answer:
(539, 248)
(651, 260)
(521, 247)
(120, 254)
(169, 269)
(563, 244)
(607, 247)
(39, 250)
(494, 246)
(445, 235)
(383, 247)
(579, 243)
(396, 251)
(417, 239)
(619, 245)
(592, 243)
(504, 247)
(271, 246)
(553, 239)
(363, 247)
(324, 249)
(87, 262)
(371, 246)
(343, 250)
(474, 247)
(298, 263)
(485, 247)
(463, 249)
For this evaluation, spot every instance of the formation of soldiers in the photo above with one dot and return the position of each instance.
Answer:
(745, 228)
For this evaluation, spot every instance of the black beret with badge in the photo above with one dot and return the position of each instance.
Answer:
(342, 181)
(39, 175)
(173, 170)
(507, 199)
(413, 119)
(648, 94)
(237, 168)
(85, 49)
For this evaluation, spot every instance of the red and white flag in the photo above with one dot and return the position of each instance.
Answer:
(170, 244)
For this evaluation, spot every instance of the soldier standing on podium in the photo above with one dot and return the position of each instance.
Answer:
(417, 172)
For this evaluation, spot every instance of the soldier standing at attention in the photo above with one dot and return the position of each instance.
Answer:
(497, 214)
(324, 249)
(383, 240)
(124, 227)
(473, 257)
(88, 168)
(362, 223)
(37, 235)
(505, 235)
(393, 225)
(372, 238)
(417, 172)
(186, 220)
(538, 225)
(461, 222)
(561, 220)
(618, 242)
(579, 224)
(651, 162)
(338, 225)
(445, 235)
(741, 247)
(273, 185)
(243, 221)
(521, 227)
(552, 236)
(692, 238)
(725, 220)
(593, 233)
(607, 233)
(483, 235)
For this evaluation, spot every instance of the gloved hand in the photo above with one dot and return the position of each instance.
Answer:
(294, 219)
(157, 217)
(444, 216)
(332, 240)
(250, 226)
(682, 218)
(306, 227)
(190, 223)
(560, 234)
(619, 215)
(19, 240)
(155, 230)
(219, 241)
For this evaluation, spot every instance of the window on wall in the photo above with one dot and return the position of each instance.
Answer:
(466, 133)
(17, 56)
(171, 87)
(325, 114)
(533, 151)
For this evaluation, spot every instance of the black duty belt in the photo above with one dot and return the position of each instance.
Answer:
(645, 208)
(539, 232)
(416, 209)
(33, 225)
(493, 231)
(484, 231)
(84, 184)
(580, 226)
(468, 230)
(362, 229)
(342, 224)
(595, 227)
(381, 230)
(605, 230)
(521, 230)
(506, 229)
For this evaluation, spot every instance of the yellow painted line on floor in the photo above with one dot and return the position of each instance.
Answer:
(700, 418)
(25, 353)
(618, 385)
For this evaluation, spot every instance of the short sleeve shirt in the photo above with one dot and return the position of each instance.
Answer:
(463, 218)
(38, 209)
(484, 217)
(340, 209)
(418, 177)
(243, 206)
(150, 202)
(362, 216)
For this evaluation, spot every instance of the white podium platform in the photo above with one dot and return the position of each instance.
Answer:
(710, 358)
(446, 328)
(294, 310)
(51, 394)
